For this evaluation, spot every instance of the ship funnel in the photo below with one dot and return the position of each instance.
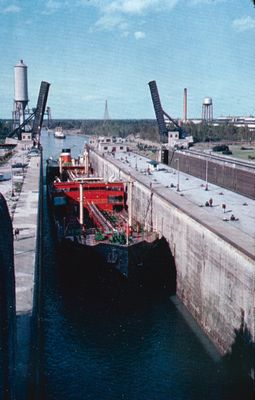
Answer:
(65, 156)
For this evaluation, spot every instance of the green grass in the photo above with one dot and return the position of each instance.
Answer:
(243, 154)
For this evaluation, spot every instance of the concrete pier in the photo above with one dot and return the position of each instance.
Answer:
(23, 194)
(215, 259)
(25, 219)
(25, 247)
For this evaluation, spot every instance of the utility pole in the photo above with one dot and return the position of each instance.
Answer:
(178, 174)
(206, 173)
(81, 204)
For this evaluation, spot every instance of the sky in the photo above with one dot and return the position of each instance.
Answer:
(91, 51)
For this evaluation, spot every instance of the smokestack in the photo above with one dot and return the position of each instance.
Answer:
(185, 110)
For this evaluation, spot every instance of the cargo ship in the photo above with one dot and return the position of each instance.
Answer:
(92, 217)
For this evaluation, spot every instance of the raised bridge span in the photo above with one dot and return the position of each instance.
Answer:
(215, 260)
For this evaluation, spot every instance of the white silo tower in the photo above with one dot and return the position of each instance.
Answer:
(20, 92)
(207, 109)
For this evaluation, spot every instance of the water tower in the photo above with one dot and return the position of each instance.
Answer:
(207, 109)
(20, 93)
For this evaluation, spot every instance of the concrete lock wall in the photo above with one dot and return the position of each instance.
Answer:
(27, 252)
(227, 174)
(7, 305)
(215, 279)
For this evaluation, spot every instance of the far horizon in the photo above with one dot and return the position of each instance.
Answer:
(135, 119)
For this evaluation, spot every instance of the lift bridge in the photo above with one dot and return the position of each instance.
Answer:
(163, 119)
(36, 115)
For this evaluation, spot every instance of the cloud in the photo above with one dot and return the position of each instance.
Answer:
(138, 6)
(116, 14)
(108, 22)
(52, 6)
(139, 35)
(244, 24)
(11, 9)
(120, 14)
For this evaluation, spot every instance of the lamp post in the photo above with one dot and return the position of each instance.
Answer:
(13, 194)
(206, 173)
(178, 174)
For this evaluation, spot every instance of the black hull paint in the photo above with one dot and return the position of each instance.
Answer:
(149, 265)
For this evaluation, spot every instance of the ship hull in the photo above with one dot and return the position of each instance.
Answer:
(57, 136)
(144, 264)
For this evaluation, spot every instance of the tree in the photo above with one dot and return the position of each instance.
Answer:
(5, 129)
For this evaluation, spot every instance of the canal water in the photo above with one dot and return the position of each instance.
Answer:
(102, 347)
